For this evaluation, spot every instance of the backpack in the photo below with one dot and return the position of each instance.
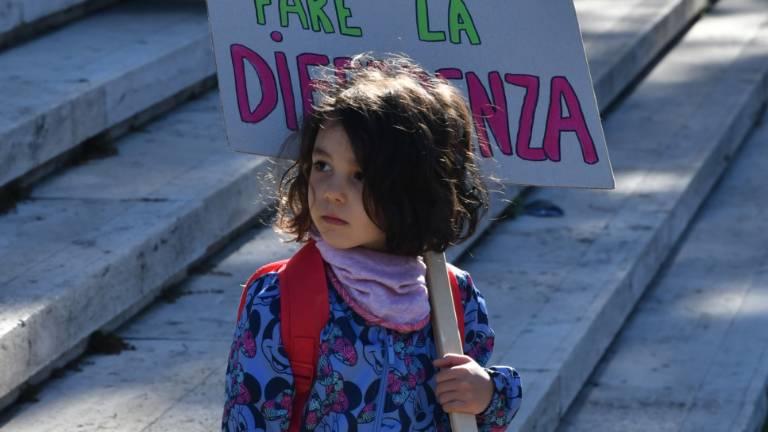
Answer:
(304, 311)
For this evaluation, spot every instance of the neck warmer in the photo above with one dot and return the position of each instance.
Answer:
(385, 289)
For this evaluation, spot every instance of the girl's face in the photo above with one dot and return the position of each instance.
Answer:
(336, 194)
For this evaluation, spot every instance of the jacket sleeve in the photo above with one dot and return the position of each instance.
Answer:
(478, 344)
(259, 380)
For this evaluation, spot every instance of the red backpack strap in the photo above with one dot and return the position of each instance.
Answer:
(457, 305)
(275, 266)
(304, 311)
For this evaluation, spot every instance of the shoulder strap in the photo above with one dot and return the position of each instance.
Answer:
(304, 311)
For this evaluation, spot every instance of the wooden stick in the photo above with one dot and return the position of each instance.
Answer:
(445, 326)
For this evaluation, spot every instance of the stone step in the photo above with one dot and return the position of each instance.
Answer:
(22, 18)
(142, 214)
(694, 354)
(69, 85)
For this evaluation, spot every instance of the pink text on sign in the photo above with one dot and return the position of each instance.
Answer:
(489, 109)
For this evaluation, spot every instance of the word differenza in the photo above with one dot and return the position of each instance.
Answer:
(563, 113)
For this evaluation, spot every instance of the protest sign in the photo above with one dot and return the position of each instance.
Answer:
(521, 66)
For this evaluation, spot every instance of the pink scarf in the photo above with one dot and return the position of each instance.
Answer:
(385, 289)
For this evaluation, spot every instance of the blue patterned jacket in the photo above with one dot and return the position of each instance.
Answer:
(368, 378)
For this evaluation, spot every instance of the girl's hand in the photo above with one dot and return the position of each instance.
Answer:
(462, 385)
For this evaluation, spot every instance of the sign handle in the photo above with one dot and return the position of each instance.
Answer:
(444, 325)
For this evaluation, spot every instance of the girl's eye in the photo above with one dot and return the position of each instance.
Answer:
(359, 176)
(320, 166)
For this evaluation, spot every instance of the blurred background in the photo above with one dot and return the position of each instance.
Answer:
(127, 226)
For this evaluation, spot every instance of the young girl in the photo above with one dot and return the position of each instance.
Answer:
(386, 172)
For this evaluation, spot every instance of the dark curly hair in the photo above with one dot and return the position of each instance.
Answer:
(412, 136)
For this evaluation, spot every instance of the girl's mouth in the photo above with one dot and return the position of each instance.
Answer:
(334, 220)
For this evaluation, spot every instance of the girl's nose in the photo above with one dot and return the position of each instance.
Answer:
(335, 193)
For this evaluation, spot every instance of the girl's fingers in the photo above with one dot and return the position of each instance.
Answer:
(450, 360)
(450, 397)
(450, 386)
(449, 374)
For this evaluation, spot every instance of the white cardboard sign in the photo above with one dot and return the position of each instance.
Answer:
(520, 64)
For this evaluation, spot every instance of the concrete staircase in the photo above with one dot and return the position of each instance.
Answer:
(94, 243)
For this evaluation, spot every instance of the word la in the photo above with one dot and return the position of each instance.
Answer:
(459, 20)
